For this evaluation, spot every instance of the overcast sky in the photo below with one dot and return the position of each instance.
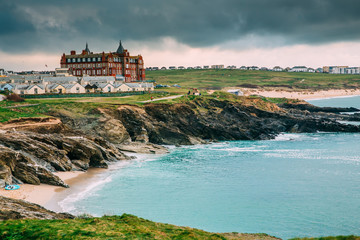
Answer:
(34, 33)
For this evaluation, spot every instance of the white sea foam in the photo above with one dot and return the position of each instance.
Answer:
(67, 204)
(288, 137)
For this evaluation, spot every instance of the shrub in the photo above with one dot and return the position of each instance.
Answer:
(15, 98)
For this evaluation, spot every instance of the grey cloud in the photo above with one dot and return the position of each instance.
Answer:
(30, 25)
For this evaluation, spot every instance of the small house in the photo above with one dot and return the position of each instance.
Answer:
(105, 87)
(73, 88)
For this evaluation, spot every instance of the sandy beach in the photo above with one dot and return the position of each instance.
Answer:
(304, 95)
(43, 194)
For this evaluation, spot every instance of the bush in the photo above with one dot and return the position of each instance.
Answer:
(15, 98)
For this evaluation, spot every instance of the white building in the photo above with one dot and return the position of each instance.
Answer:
(353, 70)
(97, 79)
(29, 89)
(299, 69)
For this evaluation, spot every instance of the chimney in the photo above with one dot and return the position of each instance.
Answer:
(73, 52)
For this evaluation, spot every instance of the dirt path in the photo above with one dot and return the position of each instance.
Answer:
(164, 98)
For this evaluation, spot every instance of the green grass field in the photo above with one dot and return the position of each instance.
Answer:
(118, 227)
(107, 227)
(217, 79)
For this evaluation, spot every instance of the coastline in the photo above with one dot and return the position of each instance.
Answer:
(303, 95)
(80, 182)
(43, 194)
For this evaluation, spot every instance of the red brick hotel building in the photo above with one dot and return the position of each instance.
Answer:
(116, 64)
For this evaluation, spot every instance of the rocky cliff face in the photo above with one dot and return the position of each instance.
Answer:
(19, 209)
(29, 157)
(30, 153)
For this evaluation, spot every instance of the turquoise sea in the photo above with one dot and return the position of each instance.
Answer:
(298, 185)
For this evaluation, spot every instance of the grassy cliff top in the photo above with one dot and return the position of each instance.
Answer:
(108, 227)
(80, 106)
(220, 78)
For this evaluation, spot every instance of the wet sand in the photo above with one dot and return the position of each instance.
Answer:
(304, 95)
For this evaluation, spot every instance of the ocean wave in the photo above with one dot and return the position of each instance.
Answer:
(68, 204)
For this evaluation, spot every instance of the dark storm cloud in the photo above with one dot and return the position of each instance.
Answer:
(28, 25)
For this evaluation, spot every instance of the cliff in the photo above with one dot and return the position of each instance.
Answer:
(19, 209)
(32, 149)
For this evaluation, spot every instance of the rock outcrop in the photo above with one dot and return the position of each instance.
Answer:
(28, 157)
(30, 154)
(19, 209)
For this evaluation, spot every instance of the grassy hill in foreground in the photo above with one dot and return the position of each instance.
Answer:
(108, 227)
(219, 78)
(119, 227)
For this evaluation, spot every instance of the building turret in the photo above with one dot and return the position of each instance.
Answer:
(120, 49)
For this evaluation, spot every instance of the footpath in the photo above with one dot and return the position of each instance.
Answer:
(164, 98)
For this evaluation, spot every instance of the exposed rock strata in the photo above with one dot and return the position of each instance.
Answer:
(31, 154)
(27, 157)
(19, 209)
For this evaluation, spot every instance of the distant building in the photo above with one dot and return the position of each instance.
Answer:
(353, 70)
(256, 68)
(310, 70)
(181, 67)
(206, 67)
(217, 66)
(105, 64)
(231, 67)
(243, 68)
(299, 69)
(172, 67)
(163, 68)
(319, 70)
(62, 72)
(277, 69)
(334, 69)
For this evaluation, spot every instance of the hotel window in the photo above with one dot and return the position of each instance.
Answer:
(83, 59)
(99, 59)
(73, 60)
(89, 59)
(78, 60)
(94, 59)
(68, 60)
